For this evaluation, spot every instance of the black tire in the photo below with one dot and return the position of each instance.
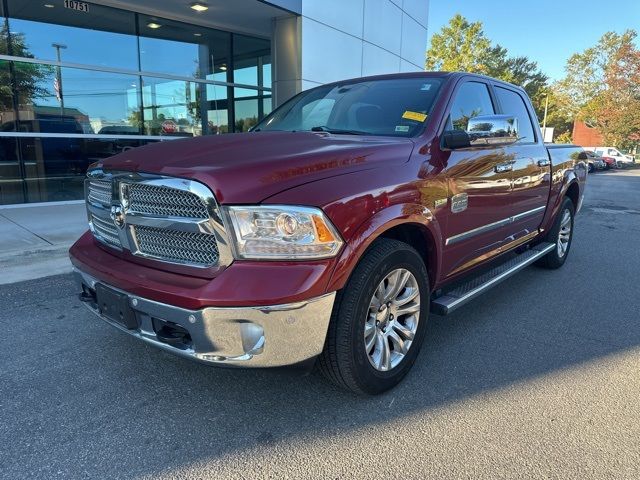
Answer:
(554, 259)
(345, 360)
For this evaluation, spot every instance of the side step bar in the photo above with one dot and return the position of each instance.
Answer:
(475, 287)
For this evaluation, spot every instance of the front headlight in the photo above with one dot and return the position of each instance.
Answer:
(282, 232)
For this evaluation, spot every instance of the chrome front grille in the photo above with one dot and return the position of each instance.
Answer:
(99, 192)
(105, 231)
(165, 201)
(172, 220)
(176, 246)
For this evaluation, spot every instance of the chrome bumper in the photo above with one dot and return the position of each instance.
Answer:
(266, 336)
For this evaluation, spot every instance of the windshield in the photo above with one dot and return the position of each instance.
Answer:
(397, 107)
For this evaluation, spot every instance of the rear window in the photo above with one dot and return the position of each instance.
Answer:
(512, 103)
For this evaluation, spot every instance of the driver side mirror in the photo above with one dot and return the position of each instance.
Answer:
(485, 130)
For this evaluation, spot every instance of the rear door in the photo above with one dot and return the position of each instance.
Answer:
(479, 184)
(531, 168)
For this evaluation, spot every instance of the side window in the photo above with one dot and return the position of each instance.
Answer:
(472, 100)
(513, 104)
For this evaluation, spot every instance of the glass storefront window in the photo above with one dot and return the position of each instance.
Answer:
(176, 107)
(178, 49)
(102, 36)
(72, 100)
(81, 97)
(251, 58)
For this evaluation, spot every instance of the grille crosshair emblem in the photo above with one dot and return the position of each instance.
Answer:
(117, 215)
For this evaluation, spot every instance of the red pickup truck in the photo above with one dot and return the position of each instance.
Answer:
(328, 234)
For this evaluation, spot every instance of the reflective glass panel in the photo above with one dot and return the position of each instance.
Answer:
(185, 50)
(102, 36)
(71, 100)
(251, 60)
(178, 107)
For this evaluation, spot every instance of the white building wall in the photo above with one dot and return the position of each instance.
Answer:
(341, 39)
(344, 39)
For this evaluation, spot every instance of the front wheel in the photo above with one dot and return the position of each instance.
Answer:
(379, 320)
(562, 235)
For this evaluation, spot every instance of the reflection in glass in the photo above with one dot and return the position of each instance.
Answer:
(251, 61)
(108, 30)
(185, 50)
(246, 114)
(82, 101)
(176, 107)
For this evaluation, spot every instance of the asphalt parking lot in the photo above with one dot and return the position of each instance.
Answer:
(538, 379)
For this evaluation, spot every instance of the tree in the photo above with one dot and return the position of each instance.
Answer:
(460, 46)
(28, 78)
(603, 86)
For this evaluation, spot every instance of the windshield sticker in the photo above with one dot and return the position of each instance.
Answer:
(402, 128)
(416, 116)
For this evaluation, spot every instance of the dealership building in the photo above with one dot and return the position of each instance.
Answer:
(81, 81)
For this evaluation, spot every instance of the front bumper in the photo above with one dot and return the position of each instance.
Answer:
(264, 336)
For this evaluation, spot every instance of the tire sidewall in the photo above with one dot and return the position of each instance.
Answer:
(567, 204)
(411, 261)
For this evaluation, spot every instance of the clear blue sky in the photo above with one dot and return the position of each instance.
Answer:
(547, 31)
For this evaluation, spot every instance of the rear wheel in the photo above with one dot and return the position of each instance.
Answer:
(379, 320)
(561, 235)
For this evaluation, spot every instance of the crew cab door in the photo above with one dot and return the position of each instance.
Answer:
(531, 165)
(479, 184)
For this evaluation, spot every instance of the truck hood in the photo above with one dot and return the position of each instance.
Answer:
(250, 167)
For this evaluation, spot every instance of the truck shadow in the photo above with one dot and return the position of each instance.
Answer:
(126, 400)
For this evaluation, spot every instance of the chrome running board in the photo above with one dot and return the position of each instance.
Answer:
(475, 287)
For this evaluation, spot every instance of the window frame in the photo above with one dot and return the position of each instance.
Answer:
(528, 106)
(445, 118)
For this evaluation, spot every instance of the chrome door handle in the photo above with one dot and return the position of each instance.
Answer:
(544, 163)
(503, 167)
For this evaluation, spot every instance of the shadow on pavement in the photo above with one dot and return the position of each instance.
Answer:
(99, 402)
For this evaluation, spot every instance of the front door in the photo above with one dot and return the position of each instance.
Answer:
(479, 182)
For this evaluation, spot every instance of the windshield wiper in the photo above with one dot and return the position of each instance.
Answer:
(324, 128)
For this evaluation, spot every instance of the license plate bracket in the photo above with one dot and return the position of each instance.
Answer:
(115, 306)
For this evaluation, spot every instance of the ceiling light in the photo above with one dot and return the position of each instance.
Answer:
(197, 34)
(223, 68)
(48, 5)
(199, 7)
(153, 25)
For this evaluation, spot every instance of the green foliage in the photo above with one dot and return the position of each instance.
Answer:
(463, 46)
(28, 78)
(603, 86)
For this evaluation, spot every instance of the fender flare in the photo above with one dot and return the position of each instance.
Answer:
(375, 227)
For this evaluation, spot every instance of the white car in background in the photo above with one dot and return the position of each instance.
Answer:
(614, 153)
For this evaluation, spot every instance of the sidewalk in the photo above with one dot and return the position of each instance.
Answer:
(35, 238)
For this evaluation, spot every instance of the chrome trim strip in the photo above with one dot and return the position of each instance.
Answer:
(491, 226)
(124, 71)
(97, 136)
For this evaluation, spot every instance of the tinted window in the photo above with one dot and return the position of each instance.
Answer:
(513, 104)
(382, 107)
(471, 100)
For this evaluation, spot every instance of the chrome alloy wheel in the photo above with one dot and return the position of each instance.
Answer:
(564, 235)
(392, 322)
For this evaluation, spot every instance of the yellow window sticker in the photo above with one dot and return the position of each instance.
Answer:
(417, 116)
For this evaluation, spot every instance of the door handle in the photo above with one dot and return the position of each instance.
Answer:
(544, 162)
(503, 167)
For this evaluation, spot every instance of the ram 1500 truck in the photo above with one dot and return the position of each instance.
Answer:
(328, 234)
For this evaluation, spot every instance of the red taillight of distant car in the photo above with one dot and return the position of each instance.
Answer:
(609, 160)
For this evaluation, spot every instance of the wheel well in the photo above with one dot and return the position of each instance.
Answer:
(573, 192)
(420, 238)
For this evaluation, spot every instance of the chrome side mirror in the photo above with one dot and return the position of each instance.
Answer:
(495, 130)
